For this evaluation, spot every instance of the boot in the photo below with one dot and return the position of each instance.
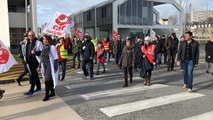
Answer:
(125, 82)
(1, 93)
(145, 81)
(52, 94)
(46, 97)
(148, 81)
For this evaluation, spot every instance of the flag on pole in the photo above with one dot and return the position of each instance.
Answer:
(78, 33)
(6, 58)
(59, 25)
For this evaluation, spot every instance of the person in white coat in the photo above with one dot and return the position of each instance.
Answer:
(49, 67)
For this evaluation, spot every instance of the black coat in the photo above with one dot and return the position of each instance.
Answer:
(159, 46)
(195, 51)
(172, 45)
(127, 57)
(208, 50)
(88, 50)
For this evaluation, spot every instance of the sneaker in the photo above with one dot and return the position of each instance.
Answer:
(91, 78)
(28, 94)
(184, 86)
(190, 90)
(84, 77)
(37, 90)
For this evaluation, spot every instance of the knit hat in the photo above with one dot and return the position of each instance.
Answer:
(147, 38)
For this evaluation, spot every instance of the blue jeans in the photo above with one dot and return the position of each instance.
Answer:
(188, 68)
(157, 58)
(107, 57)
(63, 66)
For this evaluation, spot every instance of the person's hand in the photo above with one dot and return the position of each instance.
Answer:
(68, 35)
(38, 70)
(33, 52)
(144, 56)
(154, 63)
(178, 62)
(209, 56)
(196, 65)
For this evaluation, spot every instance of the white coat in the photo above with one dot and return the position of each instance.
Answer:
(53, 56)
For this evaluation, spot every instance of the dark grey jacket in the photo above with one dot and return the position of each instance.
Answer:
(127, 57)
(195, 51)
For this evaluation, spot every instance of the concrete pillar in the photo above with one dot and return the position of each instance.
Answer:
(33, 11)
(4, 17)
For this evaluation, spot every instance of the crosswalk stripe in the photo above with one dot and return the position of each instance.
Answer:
(150, 103)
(115, 92)
(81, 72)
(204, 116)
(98, 82)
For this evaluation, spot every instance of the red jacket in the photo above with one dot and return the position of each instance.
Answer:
(106, 46)
(149, 52)
(66, 46)
(100, 52)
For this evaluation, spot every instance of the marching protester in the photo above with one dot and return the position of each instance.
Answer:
(33, 51)
(148, 62)
(127, 62)
(88, 53)
(188, 54)
(172, 48)
(100, 57)
(117, 49)
(76, 49)
(138, 53)
(49, 67)
(22, 48)
(62, 50)
(106, 44)
(164, 51)
(209, 56)
(158, 51)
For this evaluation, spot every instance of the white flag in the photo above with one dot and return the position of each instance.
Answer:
(6, 58)
(59, 25)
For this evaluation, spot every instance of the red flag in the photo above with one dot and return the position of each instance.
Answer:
(77, 32)
(115, 35)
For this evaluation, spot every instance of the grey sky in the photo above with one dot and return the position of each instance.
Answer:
(47, 7)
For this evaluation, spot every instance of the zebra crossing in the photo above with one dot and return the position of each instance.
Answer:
(112, 109)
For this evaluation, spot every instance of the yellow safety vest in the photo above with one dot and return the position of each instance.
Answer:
(63, 52)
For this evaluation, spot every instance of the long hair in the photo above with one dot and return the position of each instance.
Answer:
(49, 39)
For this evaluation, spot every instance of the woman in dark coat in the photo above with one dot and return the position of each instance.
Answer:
(127, 61)
(148, 62)
(209, 56)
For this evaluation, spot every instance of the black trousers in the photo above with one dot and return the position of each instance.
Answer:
(148, 75)
(90, 64)
(34, 78)
(23, 73)
(49, 87)
(171, 60)
(99, 66)
(126, 71)
(165, 57)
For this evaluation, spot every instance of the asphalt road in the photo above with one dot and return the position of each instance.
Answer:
(104, 98)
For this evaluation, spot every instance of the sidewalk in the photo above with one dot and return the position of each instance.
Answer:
(16, 106)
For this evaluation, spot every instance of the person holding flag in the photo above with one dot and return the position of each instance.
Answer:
(62, 50)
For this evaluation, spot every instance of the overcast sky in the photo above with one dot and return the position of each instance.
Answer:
(47, 7)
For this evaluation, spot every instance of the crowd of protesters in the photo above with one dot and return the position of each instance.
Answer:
(47, 55)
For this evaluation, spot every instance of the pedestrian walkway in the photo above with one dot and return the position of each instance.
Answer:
(16, 106)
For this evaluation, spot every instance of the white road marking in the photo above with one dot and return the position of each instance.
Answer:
(204, 116)
(115, 92)
(97, 83)
(150, 103)
(100, 70)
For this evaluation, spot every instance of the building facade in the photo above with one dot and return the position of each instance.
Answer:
(201, 15)
(124, 17)
(17, 17)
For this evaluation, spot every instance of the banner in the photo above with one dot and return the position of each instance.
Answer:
(115, 35)
(78, 33)
(6, 59)
(59, 25)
